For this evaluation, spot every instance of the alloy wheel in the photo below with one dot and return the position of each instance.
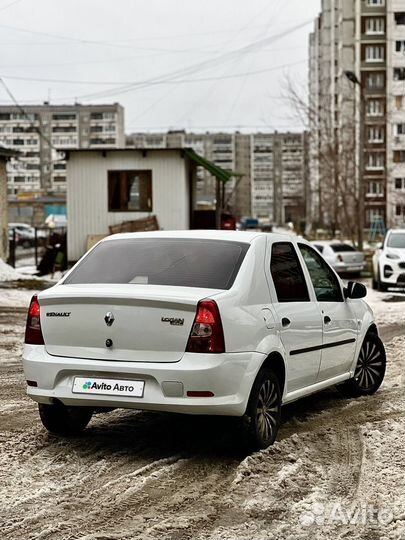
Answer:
(267, 410)
(370, 366)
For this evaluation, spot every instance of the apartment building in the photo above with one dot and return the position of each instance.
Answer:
(271, 167)
(366, 37)
(39, 131)
(279, 175)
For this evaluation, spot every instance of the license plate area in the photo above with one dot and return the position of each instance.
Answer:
(108, 387)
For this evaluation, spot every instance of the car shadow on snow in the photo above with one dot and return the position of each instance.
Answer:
(155, 435)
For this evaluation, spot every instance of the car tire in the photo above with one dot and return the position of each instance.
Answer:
(382, 287)
(62, 420)
(370, 369)
(374, 283)
(264, 409)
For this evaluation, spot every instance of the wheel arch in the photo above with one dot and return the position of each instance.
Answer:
(276, 362)
(372, 329)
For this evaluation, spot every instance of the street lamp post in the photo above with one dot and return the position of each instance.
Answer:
(362, 137)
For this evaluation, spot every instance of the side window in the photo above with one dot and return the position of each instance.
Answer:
(287, 274)
(326, 285)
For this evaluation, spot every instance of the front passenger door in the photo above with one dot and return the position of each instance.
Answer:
(338, 317)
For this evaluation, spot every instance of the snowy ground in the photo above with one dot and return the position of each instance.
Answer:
(336, 472)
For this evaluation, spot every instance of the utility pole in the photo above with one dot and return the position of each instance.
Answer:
(362, 138)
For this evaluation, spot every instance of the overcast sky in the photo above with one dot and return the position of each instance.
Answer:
(193, 64)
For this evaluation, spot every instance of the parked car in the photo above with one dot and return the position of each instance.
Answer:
(342, 257)
(24, 234)
(249, 224)
(198, 322)
(389, 261)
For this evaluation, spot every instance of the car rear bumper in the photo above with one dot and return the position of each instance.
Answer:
(228, 376)
(345, 268)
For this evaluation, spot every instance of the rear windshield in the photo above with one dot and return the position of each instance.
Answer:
(396, 240)
(338, 248)
(211, 264)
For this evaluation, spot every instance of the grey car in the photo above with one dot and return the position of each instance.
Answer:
(342, 256)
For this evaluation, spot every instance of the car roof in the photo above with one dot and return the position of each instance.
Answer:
(330, 242)
(395, 231)
(232, 236)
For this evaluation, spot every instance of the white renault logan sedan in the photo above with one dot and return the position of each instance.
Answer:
(198, 322)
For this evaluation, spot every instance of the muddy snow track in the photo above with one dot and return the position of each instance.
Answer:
(136, 475)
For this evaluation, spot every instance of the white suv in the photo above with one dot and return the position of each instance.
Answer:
(198, 322)
(389, 261)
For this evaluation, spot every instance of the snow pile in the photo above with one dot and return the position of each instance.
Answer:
(8, 273)
(16, 298)
(387, 307)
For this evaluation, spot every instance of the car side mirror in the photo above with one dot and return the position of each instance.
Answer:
(355, 290)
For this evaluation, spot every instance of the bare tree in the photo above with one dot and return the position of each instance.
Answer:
(333, 186)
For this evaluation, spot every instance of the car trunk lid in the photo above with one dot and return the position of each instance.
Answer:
(143, 323)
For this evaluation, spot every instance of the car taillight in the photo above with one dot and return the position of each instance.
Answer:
(206, 334)
(340, 258)
(33, 332)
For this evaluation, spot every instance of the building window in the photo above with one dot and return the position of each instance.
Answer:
(399, 156)
(400, 183)
(400, 46)
(375, 26)
(375, 53)
(59, 166)
(375, 134)
(64, 116)
(372, 3)
(375, 161)
(375, 107)
(400, 210)
(399, 17)
(130, 191)
(399, 74)
(399, 129)
(375, 189)
(375, 81)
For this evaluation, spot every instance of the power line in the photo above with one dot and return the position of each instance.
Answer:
(157, 82)
(114, 42)
(200, 66)
(23, 112)
(3, 8)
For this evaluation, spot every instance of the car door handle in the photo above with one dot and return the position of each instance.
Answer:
(327, 319)
(285, 322)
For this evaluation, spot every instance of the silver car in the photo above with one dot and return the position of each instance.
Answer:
(343, 257)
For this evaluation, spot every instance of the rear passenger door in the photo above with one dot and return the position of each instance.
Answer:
(299, 319)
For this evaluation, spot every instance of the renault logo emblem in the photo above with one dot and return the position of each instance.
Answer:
(109, 318)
